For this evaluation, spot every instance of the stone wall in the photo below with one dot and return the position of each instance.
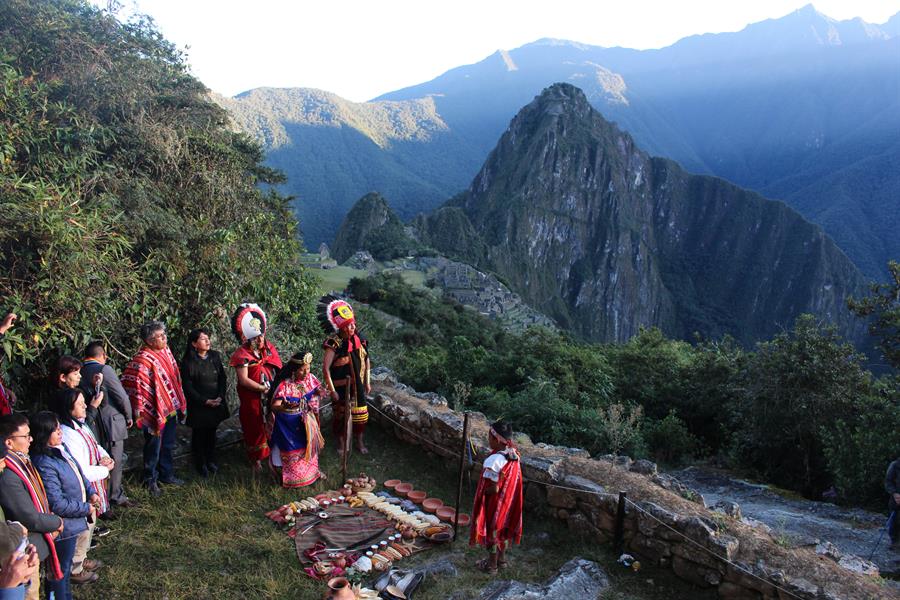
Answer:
(662, 526)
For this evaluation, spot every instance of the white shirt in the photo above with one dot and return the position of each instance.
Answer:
(79, 450)
(493, 465)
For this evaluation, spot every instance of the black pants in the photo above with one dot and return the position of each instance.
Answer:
(203, 445)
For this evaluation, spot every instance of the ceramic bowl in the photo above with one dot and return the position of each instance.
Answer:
(445, 513)
(464, 520)
(392, 483)
(402, 489)
(417, 496)
(432, 504)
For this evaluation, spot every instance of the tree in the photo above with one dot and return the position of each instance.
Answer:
(125, 195)
(883, 305)
(792, 392)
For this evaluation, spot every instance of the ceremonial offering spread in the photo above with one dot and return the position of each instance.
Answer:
(353, 531)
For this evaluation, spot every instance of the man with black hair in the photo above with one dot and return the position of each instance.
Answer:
(23, 498)
(16, 567)
(112, 419)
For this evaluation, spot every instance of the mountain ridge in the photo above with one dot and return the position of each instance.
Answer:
(591, 230)
(778, 127)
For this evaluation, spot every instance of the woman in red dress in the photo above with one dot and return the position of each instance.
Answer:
(256, 361)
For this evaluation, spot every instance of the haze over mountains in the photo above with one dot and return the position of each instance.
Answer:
(802, 108)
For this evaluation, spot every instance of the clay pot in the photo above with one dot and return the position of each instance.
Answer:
(417, 496)
(392, 483)
(403, 489)
(432, 504)
(445, 513)
(464, 520)
(339, 588)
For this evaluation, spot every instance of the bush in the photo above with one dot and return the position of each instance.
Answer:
(859, 449)
(669, 440)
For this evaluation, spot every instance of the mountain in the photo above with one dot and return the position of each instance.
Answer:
(334, 151)
(371, 225)
(803, 108)
(605, 239)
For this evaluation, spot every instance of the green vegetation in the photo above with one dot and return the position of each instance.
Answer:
(800, 411)
(883, 306)
(336, 279)
(210, 538)
(372, 226)
(125, 196)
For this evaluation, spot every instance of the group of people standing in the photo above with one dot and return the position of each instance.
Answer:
(62, 467)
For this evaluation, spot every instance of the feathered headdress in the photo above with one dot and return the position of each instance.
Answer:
(248, 322)
(334, 314)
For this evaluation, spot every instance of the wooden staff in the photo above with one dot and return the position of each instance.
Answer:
(462, 464)
(348, 431)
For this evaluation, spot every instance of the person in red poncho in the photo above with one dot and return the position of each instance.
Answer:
(497, 512)
(7, 397)
(256, 362)
(152, 381)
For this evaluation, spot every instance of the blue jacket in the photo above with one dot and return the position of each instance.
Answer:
(64, 490)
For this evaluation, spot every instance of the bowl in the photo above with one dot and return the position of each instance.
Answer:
(417, 496)
(464, 520)
(432, 504)
(392, 483)
(402, 489)
(445, 513)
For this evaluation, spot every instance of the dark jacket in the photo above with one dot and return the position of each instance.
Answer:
(109, 421)
(64, 490)
(892, 481)
(202, 379)
(17, 506)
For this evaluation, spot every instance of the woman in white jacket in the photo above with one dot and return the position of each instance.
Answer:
(94, 461)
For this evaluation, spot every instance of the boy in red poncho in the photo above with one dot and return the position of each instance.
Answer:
(497, 512)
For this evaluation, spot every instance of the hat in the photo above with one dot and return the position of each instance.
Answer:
(334, 314)
(248, 322)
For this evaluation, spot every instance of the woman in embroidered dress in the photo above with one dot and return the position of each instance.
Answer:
(255, 362)
(296, 437)
(94, 461)
(497, 511)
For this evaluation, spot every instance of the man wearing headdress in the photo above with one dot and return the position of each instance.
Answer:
(345, 369)
(497, 510)
(256, 361)
(152, 381)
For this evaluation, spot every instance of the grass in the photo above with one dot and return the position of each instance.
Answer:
(336, 279)
(210, 539)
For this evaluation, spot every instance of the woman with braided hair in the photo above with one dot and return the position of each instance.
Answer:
(296, 439)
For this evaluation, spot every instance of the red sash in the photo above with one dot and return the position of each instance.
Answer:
(35, 486)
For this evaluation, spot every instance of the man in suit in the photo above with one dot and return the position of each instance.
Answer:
(23, 498)
(112, 419)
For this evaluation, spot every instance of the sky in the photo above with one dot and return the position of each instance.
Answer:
(361, 49)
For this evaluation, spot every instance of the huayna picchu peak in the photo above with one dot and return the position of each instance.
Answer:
(606, 239)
